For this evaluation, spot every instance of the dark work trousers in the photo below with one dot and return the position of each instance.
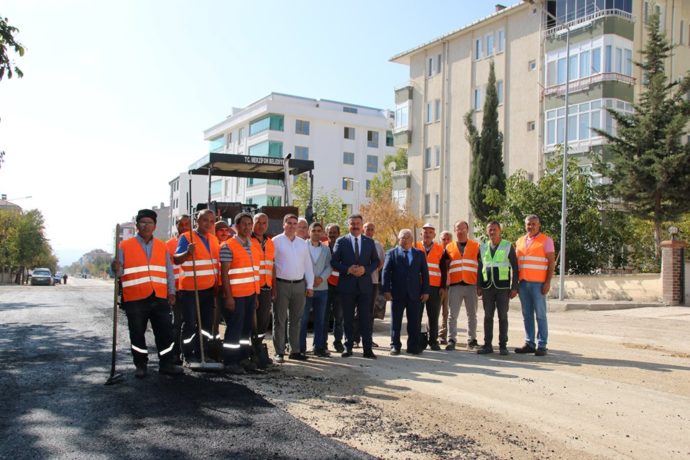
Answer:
(190, 333)
(413, 308)
(237, 342)
(496, 299)
(263, 314)
(139, 313)
(177, 328)
(374, 293)
(433, 310)
(348, 302)
(334, 312)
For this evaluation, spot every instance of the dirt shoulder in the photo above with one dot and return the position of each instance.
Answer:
(615, 384)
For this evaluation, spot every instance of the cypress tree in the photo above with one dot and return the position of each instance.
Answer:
(487, 153)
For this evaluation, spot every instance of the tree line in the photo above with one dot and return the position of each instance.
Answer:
(24, 244)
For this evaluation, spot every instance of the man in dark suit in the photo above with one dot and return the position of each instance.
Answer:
(355, 258)
(406, 283)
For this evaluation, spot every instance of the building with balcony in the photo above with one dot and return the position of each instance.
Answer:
(346, 142)
(528, 47)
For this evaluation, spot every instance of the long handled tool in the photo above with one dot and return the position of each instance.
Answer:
(115, 378)
(203, 365)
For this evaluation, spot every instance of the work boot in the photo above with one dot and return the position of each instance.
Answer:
(472, 344)
(249, 365)
(451, 345)
(435, 347)
(369, 354)
(140, 372)
(485, 350)
(298, 356)
(540, 352)
(504, 351)
(170, 369)
(526, 348)
(322, 353)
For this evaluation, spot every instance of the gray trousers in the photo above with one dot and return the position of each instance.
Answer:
(496, 300)
(288, 309)
(458, 293)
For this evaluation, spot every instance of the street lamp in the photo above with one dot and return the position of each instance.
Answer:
(564, 206)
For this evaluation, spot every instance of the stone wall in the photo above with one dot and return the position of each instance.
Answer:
(640, 288)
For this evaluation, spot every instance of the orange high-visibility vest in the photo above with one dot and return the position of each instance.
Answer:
(433, 260)
(207, 264)
(243, 274)
(267, 257)
(171, 244)
(140, 276)
(532, 262)
(463, 266)
(335, 274)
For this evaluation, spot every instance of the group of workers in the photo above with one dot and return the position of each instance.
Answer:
(311, 272)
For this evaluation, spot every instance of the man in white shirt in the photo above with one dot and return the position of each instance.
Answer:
(294, 278)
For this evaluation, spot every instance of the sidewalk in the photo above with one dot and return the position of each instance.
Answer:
(554, 305)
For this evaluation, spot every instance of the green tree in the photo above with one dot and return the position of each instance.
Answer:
(8, 42)
(487, 152)
(328, 207)
(382, 184)
(596, 237)
(646, 160)
(24, 244)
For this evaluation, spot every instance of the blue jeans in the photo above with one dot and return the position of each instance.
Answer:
(318, 303)
(534, 303)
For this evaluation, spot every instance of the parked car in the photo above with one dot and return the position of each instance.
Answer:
(42, 276)
(57, 278)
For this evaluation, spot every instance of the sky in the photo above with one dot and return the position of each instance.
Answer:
(116, 94)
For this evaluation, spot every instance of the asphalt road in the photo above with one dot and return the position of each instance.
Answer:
(54, 359)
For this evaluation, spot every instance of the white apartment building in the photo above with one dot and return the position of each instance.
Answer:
(179, 191)
(346, 142)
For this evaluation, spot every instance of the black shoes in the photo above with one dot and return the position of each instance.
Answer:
(435, 347)
(485, 350)
(472, 344)
(395, 351)
(504, 351)
(168, 369)
(298, 356)
(279, 359)
(369, 354)
(526, 348)
(338, 345)
(322, 353)
(140, 373)
(451, 345)
(346, 353)
(540, 352)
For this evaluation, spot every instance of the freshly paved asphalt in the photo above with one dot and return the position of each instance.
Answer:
(54, 359)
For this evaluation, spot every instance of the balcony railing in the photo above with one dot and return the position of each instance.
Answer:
(583, 84)
(584, 20)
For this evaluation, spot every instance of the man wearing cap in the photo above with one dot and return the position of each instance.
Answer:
(446, 238)
(433, 252)
(148, 289)
(223, 231)
(198, 254)
(182, 223)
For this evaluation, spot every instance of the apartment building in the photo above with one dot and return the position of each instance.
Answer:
(180, 193)
(448, 78)
(528, 46)
(346, 142)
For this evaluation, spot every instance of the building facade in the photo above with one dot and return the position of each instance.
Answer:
(448, 79)
(179, 194)
(346, 142)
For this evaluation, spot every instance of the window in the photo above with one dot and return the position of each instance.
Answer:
(372, 164)
(437, 203)
(645, 15)
(267, 149)
(390, 140)
(368, 186)
(348, 183)
(429, 113)
(373, 139)
(657, 9)
(438, 64)
(627, 62)
(596, 60)
(430, 67)
(301, 153)
(499, 90)
(437, 156)
(216, 145)
(349, 133)
(272, 122)
(427, 204)
(619, 60)
(531, 126)
(608, 56)
(560, 76)
(437, 109)
(490, 45)
(585, 65)
(302, 127)
(573, 68)
(427, 158)
(240, 136)
(216, 187)
(348, 209)
(582, 118)
(501, 41)
(477, 99)
(478, 48)
(532, 65)
(348, 158)
(401, 116)
(228, 140)
(350, 109)
(681, 38)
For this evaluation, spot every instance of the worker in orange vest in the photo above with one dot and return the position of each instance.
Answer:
(240, 260)
(267, 258)
(201, 255)
(536, 263)
(460, 262)
(148, 289)
(446, 238)
(334, 309)
(434, 252)
(182, 223)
